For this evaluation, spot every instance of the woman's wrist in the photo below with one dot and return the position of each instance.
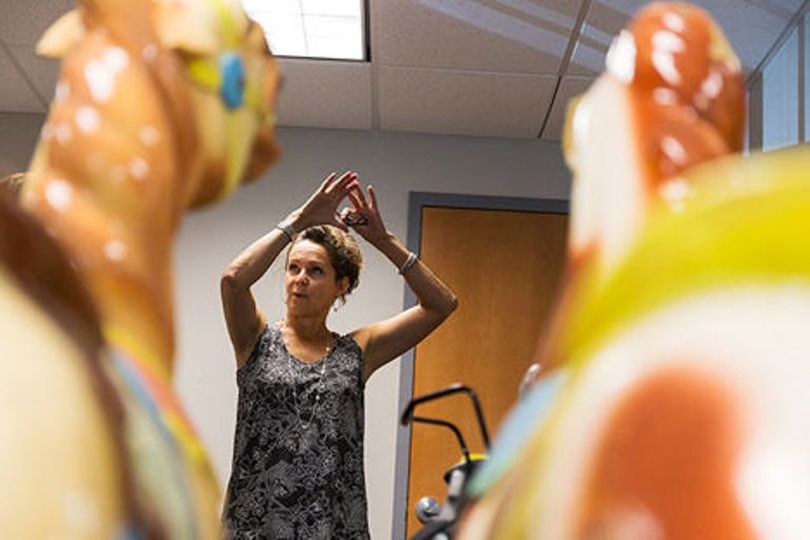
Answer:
(296, 220)
(409, 262)
(383, 241)
(291, 225)
(393, 249)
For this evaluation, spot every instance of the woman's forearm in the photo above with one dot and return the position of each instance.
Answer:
(250, 265)
(432, 294)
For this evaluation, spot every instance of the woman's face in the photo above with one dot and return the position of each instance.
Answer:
(310, 280)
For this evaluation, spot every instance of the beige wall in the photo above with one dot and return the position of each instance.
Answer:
(396, 164)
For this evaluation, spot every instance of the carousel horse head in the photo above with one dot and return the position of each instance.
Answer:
(672, 97)
(203, 69)
(676, 406)
(160, 106)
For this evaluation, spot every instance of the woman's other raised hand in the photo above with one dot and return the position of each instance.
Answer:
(322, 206)
(364, 216)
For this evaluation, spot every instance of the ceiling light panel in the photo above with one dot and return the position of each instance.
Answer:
(312, 28)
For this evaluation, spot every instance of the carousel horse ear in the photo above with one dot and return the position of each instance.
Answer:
(61, 35)
(187, 26)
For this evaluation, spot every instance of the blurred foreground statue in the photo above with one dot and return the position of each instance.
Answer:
(672, 400)
(161, 105)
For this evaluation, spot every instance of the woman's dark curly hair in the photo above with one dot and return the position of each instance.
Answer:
(344, 253)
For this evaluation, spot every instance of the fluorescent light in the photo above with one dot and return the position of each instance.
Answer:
(324, 26)
(311, 28)
(274, 6)
(331, 7)
(335, 48)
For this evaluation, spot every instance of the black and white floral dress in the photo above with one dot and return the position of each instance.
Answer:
(298, 450)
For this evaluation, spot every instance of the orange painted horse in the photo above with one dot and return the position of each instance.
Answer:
(161, 106)
(672, 400)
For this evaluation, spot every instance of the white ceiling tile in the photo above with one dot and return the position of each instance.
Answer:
(43, 72)
(570, 87)
(527, 36)
(15, 93)
(24, 21)
(325, 94)
(463, 103)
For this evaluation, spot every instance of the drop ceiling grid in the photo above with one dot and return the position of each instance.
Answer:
(570, 87)
(24, 21)
(16, 94)
(448, 80)
(437, 40)
(41, 72)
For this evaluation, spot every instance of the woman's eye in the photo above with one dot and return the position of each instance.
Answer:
(292, 269)
(317, 271)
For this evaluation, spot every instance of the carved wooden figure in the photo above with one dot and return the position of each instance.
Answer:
(672, 402)
(161, 106)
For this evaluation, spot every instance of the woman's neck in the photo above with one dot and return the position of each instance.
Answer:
(308, 329)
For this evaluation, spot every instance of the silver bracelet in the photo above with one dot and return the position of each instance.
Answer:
(410, 261)
(287, 229)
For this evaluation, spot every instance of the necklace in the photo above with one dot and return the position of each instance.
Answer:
(318, 388)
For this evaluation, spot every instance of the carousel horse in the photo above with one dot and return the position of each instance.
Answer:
(161, 106)
(672, 396)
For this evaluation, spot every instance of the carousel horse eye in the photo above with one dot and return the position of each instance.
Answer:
(232, 89)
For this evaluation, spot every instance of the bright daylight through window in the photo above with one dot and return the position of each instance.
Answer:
(312, 28)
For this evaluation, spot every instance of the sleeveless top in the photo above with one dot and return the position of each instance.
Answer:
(298, 450)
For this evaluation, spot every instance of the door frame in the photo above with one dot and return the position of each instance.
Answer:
(417, 200)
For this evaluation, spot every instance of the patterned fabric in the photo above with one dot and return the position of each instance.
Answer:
(293, 478)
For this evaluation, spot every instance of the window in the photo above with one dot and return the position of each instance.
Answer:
(806, 90)
(780, 96)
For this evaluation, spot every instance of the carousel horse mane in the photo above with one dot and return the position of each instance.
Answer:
(161, 106)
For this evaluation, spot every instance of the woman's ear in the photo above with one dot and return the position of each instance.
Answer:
(343, 287)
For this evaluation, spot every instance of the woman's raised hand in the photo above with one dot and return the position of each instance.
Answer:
(321, 207)
(364, 217)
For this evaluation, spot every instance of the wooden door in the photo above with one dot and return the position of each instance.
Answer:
(505, 268)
